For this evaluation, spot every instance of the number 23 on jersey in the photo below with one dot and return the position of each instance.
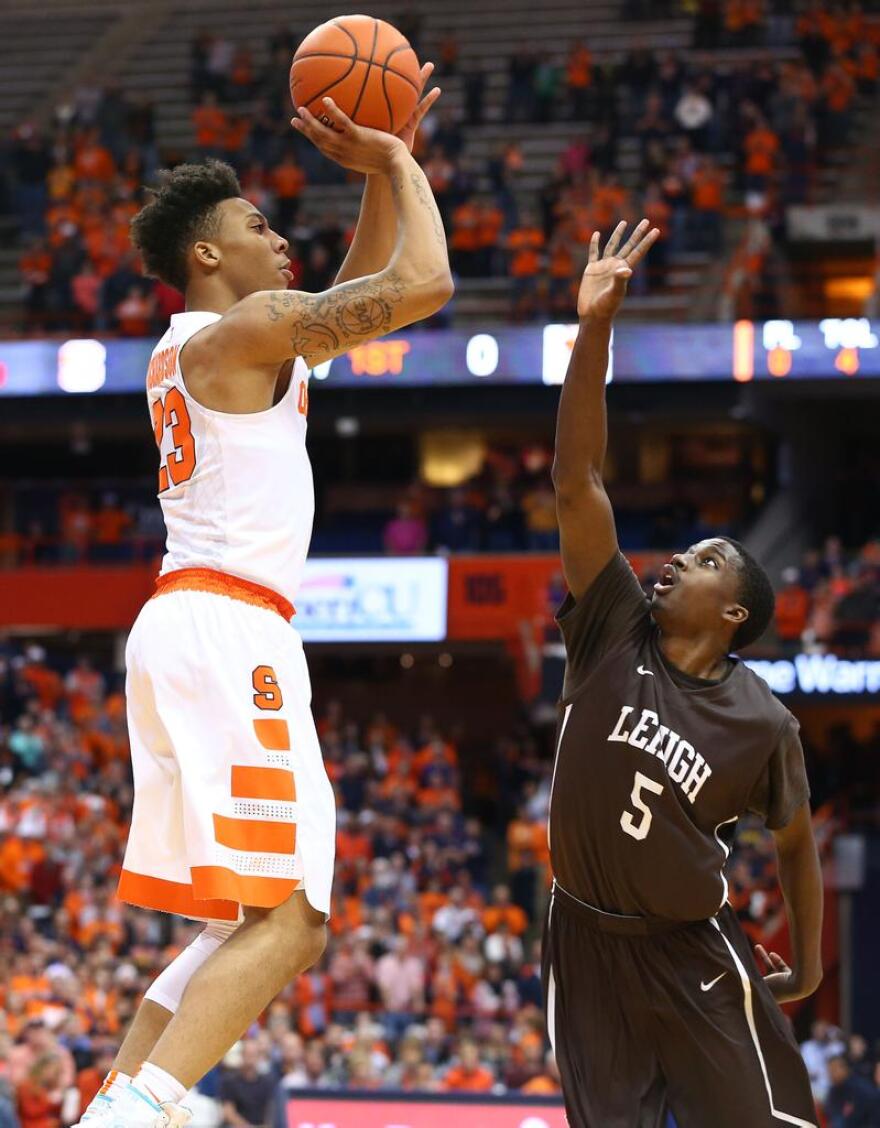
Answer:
(177, 460)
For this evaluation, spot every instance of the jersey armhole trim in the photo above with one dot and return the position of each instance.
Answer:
(236, 415)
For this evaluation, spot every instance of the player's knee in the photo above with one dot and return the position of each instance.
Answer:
(315, 945)
(300, 931)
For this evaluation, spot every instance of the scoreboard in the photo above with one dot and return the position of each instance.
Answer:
(743, 351)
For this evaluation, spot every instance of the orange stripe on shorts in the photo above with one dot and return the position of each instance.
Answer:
(273, 733)
(263, 783)
(255, 835)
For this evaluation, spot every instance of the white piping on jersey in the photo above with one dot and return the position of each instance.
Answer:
(556, 765)
(551, 1011)
(726, 851)
(753, 1030)
(601, 912)
(551, 984)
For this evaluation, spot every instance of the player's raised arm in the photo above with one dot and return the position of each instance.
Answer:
(375, 235)
(586, 522)
(269, 327)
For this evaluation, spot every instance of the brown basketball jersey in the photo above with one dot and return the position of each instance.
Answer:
(653, 766)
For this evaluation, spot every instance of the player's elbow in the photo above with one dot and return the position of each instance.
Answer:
(813, 982)
(445, 285)
(426, 296)
(438, 290)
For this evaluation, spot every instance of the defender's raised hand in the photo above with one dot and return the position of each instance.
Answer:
(603, 284)
(353, 146)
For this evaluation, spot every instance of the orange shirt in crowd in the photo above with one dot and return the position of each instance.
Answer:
(740, 14)
(448, 797)
(868, 63)
(18, 856)
(707, 189)
(761, 146)
(609, 203)
(491, 224)
(60, 181)
(561, 260)
(541, 1085)
(35, 266)
(838, 89)
(525, 245)
(511, 915)
(235, 133)
(93, 162)
(427, 757)
(792, 608)
(288, 180)
(465, 227)
(110, 524)
(461, 1080)
(658, 213)
(36, 1107)
(209, 123)
(579, 68)
(133, 314)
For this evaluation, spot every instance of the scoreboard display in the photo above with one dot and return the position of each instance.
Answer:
(743, 351)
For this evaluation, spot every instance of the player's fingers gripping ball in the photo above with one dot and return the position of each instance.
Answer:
(365, 65)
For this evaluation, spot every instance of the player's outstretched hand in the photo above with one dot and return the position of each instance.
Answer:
(352, 146)
(781, 980)
(408, 134)
(603, 284)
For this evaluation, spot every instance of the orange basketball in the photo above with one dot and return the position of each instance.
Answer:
(365, 65)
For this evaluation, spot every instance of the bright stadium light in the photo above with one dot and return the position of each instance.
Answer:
(82, 366)
(481, 356)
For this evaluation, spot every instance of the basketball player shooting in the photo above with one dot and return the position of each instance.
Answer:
(654, 1001)
(234, 816)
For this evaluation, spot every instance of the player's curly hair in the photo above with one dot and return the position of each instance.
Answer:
(181, 211)
(755, 594)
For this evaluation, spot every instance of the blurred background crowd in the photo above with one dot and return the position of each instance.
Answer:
(704, 141)
(431, 980)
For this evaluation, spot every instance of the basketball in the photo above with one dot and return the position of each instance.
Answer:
(365, 65)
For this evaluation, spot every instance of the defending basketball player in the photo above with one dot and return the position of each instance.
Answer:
(234, 817)
(654, 1000)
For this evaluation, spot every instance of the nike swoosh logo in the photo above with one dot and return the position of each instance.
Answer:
(641, 670)
(709, 986)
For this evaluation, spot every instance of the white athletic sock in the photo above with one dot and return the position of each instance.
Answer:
(112, 1086)
(158, 1085)
(115, 1082)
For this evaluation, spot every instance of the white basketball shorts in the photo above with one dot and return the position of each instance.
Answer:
(232, 804)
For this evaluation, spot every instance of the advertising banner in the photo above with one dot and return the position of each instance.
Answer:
(334, 1111)
(382, 600)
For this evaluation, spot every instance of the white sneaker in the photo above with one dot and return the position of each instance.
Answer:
(134, 1109)
(97, 1113)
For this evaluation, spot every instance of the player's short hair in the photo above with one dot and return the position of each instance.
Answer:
(182, 210)
(755, 594)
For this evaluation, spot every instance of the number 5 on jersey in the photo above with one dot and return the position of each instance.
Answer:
(628, 824)
(177, 457)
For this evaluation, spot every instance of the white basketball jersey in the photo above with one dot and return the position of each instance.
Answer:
(236, 490)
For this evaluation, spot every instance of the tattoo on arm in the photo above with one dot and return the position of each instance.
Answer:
(426, 201)
(338, 319)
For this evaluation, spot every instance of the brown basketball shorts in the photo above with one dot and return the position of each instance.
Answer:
(647, 1019)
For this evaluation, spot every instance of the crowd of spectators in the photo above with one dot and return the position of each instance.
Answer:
(508, 505)
(431, 950)
(431, 980)
(832, 600)
(710, 138)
